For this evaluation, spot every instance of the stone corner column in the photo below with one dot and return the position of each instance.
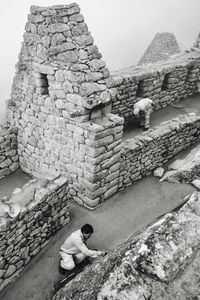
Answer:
(100, 169)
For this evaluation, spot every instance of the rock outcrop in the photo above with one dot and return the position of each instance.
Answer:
(186, 169)
(162, 262)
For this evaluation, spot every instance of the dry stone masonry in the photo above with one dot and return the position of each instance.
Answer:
(144, 153)
(164, 83)
(161, 48)
(65, 125)
(62, 98)
(43, 209)
(60, 104)
(8, 150)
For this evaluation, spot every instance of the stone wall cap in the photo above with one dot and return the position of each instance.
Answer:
(184, 59)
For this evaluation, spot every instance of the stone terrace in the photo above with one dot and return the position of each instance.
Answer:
(65, 118)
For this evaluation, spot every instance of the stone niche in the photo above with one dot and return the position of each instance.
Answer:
(60, 104)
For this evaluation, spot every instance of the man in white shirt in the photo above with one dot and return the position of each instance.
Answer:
(74, 250)
(142, 110)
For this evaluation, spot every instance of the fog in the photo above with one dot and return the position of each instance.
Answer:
(122, 29)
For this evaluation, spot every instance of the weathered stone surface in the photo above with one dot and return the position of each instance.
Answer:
(67, 57)
(61, 48)
(57, 38)
(186, 169)
(67, 86)
(84, 40)
(88, 89)
(150, 150)
(196, 183)
(44, 69)
(10, 271)
(148, 264)
(58, 27)
(96, 64)
(158, 172)
(45, 210)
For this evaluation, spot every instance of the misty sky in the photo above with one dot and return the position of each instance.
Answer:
(122, 29)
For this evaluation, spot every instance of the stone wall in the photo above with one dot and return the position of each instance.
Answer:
(96, 151)
(159, 262)
(8, 150)
(59, 94)
(142, 154)
(161, 48)
(164, 83)
(61, 102)
(41, 208)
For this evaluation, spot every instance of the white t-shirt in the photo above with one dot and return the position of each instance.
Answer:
(142, 105)
(75, 244)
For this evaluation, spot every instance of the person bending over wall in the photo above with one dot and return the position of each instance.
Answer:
(142, 111)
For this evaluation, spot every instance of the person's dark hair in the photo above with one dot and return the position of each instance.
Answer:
(87, 228)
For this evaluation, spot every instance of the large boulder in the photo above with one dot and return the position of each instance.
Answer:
(186, 169)
(160, 262)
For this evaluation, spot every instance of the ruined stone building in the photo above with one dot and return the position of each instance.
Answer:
(163, 45)
(65, 125)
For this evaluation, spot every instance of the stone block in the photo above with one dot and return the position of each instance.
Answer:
(59, 75)
(75, 99)
(88, 202)
(35, 18)
(6, 163)
(89, 88)
(79, 29)
(111, 176)
(14, 166)
(57, 39)
(31, 38)
(67, 57)
(58, 27)
(96, 64)
(60, 94)
(84, 40)
(76, 18)
(110, 192)
(11, 269)
(68, 88)
(44, 69)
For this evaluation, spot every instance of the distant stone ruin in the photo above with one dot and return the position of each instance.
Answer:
(159, 262)
(197, 43)
(161, 48)
(65, 128)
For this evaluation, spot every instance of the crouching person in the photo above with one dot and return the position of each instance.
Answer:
(142, 110)
(74, 250)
